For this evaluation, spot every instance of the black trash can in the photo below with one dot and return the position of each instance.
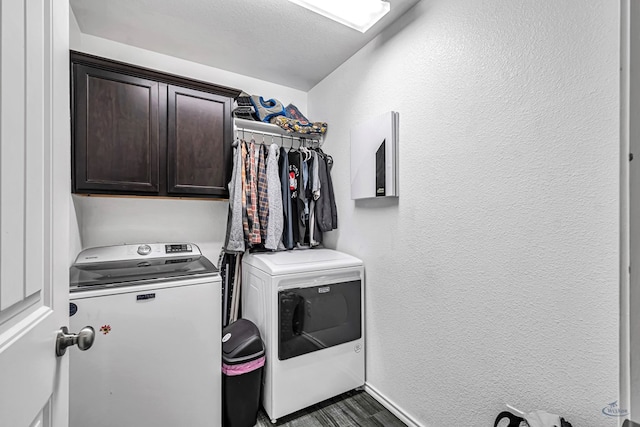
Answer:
(242, 364)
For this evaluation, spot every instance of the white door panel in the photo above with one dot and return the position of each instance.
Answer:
(32, 369)
(34, 191)
(12, 135)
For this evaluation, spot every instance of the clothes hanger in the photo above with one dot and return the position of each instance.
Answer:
(305, 151)
(326, 156)
(309, 148)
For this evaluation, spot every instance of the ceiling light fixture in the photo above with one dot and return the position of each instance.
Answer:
(357, 14)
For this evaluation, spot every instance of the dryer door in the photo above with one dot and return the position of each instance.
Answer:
(318, 317)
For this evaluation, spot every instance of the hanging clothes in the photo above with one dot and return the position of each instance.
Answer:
(245, 190)
(287, 207)
(324, 216)
(263, 196)
(315, 180)
(252, 195)
(235, 233)
(315, 234)
(275, 222)
(332, 199)
(303, 201)
(278, 198)
(294, 184)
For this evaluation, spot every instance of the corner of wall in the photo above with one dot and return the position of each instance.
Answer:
(75, 35)
(75, 227)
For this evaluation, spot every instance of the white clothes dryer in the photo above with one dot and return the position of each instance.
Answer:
(309, 307)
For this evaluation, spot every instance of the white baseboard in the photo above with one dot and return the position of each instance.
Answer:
(391, 406)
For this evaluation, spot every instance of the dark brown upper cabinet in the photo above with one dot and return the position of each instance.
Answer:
(197, 136)
(141, 132)
(116, 132)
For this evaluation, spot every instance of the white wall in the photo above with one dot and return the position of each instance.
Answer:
(105, 221)
(75, 238)
(494, 277)
(114, 220)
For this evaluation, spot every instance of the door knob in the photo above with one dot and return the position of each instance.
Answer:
(84, 339)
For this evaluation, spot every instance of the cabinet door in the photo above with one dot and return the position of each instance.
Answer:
(116, 142)
(198, 142)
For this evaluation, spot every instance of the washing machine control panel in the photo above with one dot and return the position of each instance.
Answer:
(132, 252)
(181, 248)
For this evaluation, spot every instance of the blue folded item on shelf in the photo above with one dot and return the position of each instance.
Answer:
(266, 109)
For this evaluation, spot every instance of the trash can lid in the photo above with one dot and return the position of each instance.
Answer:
(241, 342)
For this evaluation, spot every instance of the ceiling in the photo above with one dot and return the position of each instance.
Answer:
(272, 40)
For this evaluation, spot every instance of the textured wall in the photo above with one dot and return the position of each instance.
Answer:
(494, 277)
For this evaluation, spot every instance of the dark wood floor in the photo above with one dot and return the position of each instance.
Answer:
(352, 409)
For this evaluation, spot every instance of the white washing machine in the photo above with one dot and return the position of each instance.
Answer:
(156, 358)
(309, 307)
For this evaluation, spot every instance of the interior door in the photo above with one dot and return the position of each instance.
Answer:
(34, 210)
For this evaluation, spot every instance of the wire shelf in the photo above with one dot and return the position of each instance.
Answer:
(249, 128)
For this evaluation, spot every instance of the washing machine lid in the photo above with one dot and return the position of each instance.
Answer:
(298, 261)
(124, 265)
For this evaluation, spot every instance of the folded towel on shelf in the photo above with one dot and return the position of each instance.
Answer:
(298, 126)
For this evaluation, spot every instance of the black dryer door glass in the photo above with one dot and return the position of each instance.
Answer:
(318, 317)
